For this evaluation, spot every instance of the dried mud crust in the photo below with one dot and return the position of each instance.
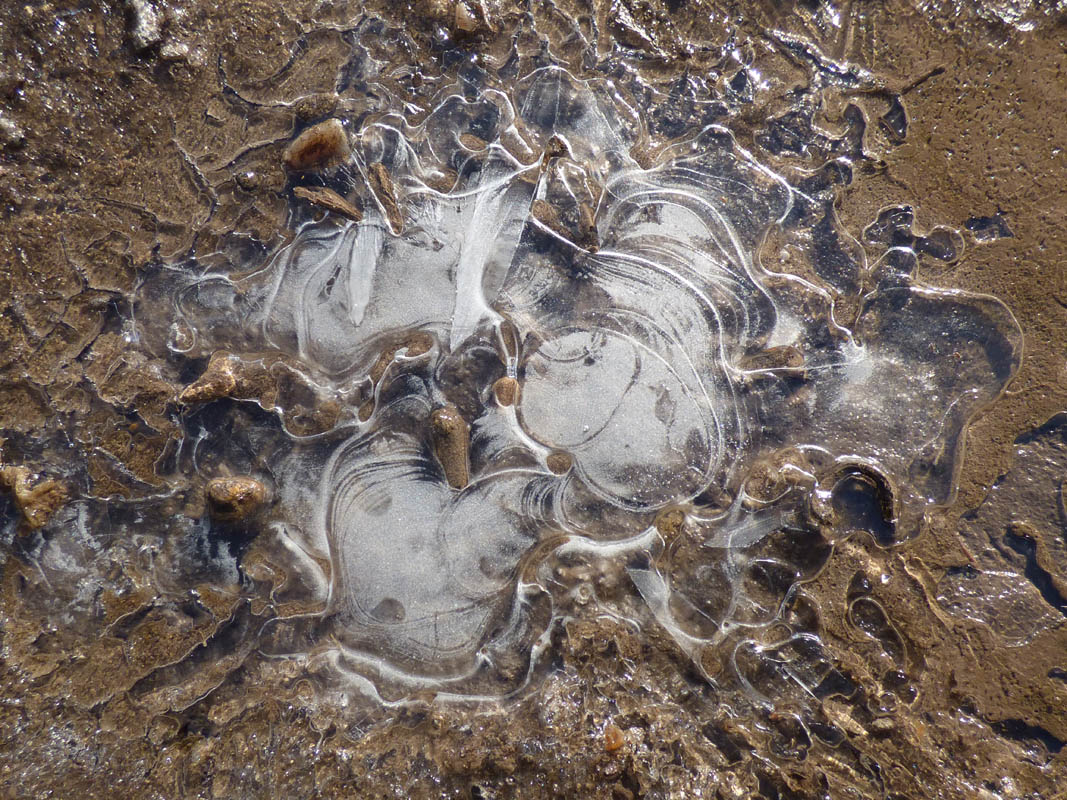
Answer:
(114, 158)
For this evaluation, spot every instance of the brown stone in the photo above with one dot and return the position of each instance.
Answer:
(506, 391)
(234, 499)
(322, 145)
(35, 497)
(451, 438)
(219, 380)
(559, 462)
(613, 738)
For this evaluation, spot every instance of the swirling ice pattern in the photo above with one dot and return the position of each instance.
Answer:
(626, 302)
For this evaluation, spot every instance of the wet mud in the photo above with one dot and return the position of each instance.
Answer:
(476, 400)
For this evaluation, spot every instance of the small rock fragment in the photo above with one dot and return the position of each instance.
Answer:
(465, 21)
(559, 462)
(613, 738)
(174, 51)
(555, 148)
(146, 24)
(322, 145)
(451, 439)
(217, 381)
(382, 186)
(882, 726)
(234, 499)
(11, 135)
(330, 200)
(36, 498)
(506, 391)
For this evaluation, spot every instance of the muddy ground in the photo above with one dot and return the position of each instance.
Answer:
(121, 142)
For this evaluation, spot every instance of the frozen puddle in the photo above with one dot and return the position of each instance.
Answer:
(547, 342)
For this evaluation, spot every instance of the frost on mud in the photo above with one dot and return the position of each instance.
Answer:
(682, 409)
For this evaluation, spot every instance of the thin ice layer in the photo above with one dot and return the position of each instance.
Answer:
(651, 360)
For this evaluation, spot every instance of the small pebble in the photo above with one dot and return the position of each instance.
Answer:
(36, 498)
(217, 381)
(322, 145)
(556, 148)
(451, 438)
(146, 24)
(11, 135)
(233, 499)
(506, 391)
(882, 726)
(465, 21)
(613, 738)
(174, 51)
(559, 462)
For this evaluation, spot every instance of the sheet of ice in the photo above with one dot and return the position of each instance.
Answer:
(629, 304)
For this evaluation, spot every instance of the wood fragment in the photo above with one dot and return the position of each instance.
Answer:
(330, 200)
(384, 190)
